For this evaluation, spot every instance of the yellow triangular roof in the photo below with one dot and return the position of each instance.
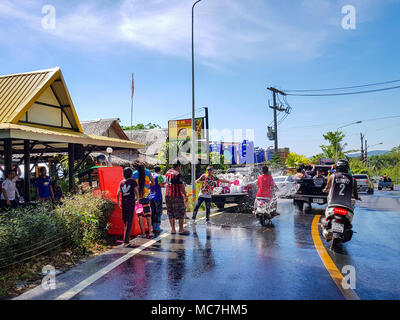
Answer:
(18, 92)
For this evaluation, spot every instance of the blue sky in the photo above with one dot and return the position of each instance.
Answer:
(241, 48)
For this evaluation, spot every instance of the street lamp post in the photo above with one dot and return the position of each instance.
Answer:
(366, 152)
(347, 125)
(193, 112)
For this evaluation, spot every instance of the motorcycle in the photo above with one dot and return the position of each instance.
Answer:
(336, 226)
(265, 210)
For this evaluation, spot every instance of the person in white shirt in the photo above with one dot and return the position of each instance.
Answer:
(9, 192)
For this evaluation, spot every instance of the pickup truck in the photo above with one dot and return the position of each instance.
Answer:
(364, 183)
(388, 184)
(243, 194)
(309, 192)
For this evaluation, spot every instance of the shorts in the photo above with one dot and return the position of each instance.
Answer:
(145, 202)
(176, 208)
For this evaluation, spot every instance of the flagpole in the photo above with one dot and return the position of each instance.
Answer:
(132, 93)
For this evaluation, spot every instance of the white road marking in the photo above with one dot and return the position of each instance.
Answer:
(102, 272)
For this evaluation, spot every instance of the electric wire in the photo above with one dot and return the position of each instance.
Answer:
(343, 88)
(343, 93)
(36, 255)
(36, 248)
(26, 247)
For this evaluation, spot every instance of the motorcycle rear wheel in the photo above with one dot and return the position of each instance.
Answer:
(262, 220)
(334, 243)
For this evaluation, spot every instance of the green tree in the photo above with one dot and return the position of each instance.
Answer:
(335, 145)
(276, 162)
(294, 160)
(316, 159)
(335, 148)
(358, 167)
(141, 126)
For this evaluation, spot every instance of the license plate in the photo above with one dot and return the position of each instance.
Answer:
(231, 199)
(337, 227)
(318, 201)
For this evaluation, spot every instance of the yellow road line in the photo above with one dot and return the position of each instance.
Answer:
(334, 272)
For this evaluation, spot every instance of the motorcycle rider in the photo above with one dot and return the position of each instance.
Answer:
(341, 187)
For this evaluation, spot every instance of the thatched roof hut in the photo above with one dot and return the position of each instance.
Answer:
(154, 139)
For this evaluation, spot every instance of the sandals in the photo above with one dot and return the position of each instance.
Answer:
(184, 233)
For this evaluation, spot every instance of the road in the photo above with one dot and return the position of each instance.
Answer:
(235, 258)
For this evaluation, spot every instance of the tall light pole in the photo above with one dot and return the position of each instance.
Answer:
(366, 152)
(193, 112)
(347, 125)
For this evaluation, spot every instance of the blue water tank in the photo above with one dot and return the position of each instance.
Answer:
(230, 152)
(216, 147)
(259, 156)
(246, 152)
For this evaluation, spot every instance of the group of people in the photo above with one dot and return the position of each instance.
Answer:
(143, 188)
(311, 172)
(46, 190)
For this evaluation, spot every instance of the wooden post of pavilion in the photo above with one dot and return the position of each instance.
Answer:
(71, 158)
(27, 171)
(7, 155)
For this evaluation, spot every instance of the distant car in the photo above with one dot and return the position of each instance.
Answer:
(364, 183)
(286, 186)
(388, 184)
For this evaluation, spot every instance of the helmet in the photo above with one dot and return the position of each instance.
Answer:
(342, 166)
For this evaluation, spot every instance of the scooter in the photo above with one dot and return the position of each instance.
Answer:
(336, 226)
(265, 210)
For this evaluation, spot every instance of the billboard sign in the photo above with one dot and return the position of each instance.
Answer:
(182, 129)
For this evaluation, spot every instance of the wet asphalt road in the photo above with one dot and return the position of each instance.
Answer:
(235, 258)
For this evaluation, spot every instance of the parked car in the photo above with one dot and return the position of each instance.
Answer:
(286, 186)
(385, 184)
(364, 183)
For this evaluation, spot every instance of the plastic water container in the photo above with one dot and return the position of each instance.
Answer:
(230, 152)
(246, 152)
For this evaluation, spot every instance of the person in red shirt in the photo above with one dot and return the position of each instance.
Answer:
(175, 196)
(266, 186)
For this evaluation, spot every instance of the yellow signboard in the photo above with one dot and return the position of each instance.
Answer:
(182, 129)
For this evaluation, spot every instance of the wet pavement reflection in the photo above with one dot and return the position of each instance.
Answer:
(234, 257)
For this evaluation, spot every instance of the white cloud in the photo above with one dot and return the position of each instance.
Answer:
(225, 30)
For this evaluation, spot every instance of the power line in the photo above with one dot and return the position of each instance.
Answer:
(189, 113)
(342, 88)
(343, 93)
(333, 123)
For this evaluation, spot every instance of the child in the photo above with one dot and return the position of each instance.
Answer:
(156, 201)
(128, 189)
(58, 194)
(144, 180)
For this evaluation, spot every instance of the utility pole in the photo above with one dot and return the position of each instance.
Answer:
(193, 114)
(207, 136)
(362, 136)
(276, 108)
(366, 154)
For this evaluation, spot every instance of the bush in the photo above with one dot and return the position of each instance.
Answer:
(85, 219)
(80, 223)
(25, 231)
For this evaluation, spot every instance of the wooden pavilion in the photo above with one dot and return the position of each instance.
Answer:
(37, 116)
